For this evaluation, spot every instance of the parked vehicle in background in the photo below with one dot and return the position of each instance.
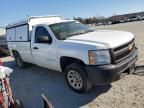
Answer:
(109, 23)
(134, 18)
(122, 21)
(3, 43)
(86, 57)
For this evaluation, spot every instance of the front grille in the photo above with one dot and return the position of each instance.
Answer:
(123, 51)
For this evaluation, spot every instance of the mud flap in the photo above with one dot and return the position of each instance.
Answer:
(139, 70)
(132, 68)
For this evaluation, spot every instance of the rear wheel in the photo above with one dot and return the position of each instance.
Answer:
(76, 78)
(20, 63)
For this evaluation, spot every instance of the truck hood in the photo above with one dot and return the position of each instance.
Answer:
(108, 38)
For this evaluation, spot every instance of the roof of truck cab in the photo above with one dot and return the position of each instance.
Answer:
(56, 22)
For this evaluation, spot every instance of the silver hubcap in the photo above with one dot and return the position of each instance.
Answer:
(74, 79)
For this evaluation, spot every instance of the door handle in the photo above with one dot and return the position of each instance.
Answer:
(36, 48)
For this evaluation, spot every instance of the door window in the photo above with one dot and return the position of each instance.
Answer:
(42, 34)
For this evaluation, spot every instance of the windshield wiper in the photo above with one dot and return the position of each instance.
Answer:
(89, 31)
(75, 34)
(80, 33)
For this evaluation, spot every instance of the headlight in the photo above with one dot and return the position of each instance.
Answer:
(99, 57)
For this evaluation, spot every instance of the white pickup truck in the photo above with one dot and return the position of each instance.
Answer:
(86, 57)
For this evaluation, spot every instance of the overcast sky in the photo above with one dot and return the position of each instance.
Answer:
(13, 10)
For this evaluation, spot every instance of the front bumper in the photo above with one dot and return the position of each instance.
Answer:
(109, 73)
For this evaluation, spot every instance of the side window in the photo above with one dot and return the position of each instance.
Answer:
(42, 35)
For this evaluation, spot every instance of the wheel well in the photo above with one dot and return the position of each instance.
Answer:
(65, 61)
(14, 52)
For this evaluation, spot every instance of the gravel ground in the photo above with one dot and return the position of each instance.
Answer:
(29, 84)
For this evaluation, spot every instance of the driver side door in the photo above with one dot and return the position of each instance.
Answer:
(43, 48)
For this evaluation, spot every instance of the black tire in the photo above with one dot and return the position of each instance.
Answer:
(76, 78)
(20, 63)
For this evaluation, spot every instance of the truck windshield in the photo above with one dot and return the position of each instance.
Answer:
(65, 30)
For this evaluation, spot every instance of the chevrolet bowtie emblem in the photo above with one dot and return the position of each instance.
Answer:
(130, 46)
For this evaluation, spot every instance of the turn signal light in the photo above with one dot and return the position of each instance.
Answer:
(91, 57)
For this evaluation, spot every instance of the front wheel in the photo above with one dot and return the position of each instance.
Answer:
(76, 78)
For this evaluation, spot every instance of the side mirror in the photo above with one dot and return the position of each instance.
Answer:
(44, 39)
